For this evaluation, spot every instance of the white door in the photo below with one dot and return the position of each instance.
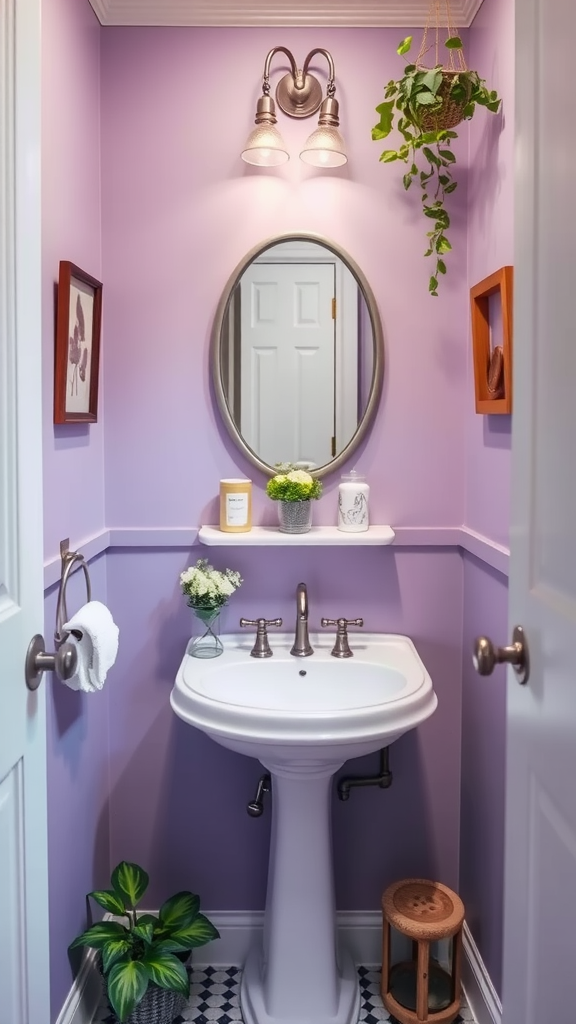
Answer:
(540, 880)
(287, 376)
(24, 988)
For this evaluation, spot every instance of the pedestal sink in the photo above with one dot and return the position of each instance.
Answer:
(302, 718)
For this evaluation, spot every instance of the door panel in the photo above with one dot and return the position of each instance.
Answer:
(12, 901)
(287, 355)
(540, 877)
(24, 952)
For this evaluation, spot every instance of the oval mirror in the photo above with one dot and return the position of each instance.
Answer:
(297, 354)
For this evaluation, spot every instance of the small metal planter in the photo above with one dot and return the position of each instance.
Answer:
(295, 516)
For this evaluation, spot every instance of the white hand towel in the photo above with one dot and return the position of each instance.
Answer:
(95, 635)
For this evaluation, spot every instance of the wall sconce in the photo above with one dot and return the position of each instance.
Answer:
(298, 94)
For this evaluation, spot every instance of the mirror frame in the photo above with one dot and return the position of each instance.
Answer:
(377, 345)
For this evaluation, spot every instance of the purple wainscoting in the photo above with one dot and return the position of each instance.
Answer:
(178, 800)
(483, 765)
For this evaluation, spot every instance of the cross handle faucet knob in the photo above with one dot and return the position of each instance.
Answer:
(261, 647)
(341, 647)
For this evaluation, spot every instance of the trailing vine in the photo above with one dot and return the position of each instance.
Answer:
(426, 99)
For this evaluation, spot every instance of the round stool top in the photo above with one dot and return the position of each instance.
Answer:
(422, 909)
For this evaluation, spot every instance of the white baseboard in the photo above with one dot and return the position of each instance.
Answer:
(482, 997)
(360, 931)
(85, 994)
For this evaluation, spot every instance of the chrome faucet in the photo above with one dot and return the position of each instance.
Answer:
(301, 647)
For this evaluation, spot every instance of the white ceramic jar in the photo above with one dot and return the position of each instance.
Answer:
(353, 498)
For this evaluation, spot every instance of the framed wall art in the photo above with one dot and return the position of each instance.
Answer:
(492, 342)
(77, 356)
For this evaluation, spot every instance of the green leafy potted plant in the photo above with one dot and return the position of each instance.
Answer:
(143, 962)
(294, 490)
(429, 103)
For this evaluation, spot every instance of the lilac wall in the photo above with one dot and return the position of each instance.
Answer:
(179, 211)
(73, 470)
(487, 467)
(490, 246)
(71, 230)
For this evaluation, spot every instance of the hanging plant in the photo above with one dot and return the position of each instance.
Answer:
(429, 104)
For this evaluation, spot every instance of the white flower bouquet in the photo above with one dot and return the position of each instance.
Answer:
(206, 588)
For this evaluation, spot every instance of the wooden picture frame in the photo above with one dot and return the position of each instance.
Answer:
(492, 366)
(77, 353)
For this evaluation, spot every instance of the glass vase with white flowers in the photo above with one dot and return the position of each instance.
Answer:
(208, 590)
(294, 490)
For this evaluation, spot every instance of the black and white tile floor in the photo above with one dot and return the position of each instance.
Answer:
(215, 998)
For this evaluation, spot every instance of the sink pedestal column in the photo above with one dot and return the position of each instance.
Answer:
(297, 976)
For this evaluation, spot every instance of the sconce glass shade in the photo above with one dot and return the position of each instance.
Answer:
(265, 147)
(325, 148)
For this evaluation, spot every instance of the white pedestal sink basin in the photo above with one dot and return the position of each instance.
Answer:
(302, 718)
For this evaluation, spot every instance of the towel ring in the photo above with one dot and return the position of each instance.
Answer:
(69, 560)
(65, 658)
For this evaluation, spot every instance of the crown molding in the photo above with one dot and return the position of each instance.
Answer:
(281, 13)
(101, 10)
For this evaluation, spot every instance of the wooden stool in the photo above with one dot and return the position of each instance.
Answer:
(425, 912)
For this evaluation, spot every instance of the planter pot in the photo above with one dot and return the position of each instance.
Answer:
(159, 1006)
(295, 516)
(450, 114)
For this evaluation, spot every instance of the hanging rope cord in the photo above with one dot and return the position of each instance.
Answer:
(456, 61)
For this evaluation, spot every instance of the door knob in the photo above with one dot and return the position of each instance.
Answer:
(485, 656)
(38, 661)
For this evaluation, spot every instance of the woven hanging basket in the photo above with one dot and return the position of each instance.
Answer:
(451, 113)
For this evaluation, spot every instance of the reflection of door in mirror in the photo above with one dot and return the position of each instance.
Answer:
(294, 366)
(287, 354)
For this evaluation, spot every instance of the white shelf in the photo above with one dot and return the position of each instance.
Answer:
(318, 536)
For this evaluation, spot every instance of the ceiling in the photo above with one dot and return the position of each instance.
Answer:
(303, 13)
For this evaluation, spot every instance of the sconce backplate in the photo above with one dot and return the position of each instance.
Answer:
(299, 102)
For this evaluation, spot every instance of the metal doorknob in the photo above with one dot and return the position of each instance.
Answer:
(63, 662)
(485, 655)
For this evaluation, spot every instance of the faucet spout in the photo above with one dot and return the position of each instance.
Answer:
(301, 647)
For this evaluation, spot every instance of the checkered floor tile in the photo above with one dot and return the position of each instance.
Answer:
(215, 999)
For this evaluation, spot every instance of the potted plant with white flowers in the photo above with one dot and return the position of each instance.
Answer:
(208, 590)
(294, 490)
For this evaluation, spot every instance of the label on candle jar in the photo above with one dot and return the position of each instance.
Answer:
(236, 509)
